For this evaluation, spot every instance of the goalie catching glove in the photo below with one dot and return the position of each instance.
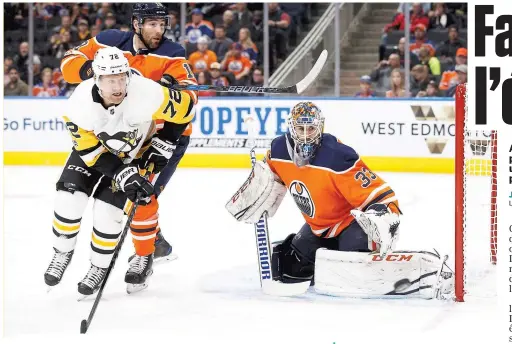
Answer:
(129, 180)
(262, 192)
(380, 224)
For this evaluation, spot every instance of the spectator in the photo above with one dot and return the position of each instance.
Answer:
(449, 77)
(242, 16)
(248, 47)
(15, 87)
(203, 80)
(257, 78)
(216, 77)
(60, 43)
(46, 88)
(397, 85)
(420, 40)
(75, 15)
(381, 74)
(203, 57)
(174, 32)
(103, 10)
(66, 25)
(83, 33)
(419, 79)
(448, 48)
(95, 30)
(221, 44)
(237, 64)
(431, 62)
(400, 51)
(198, 27)
(417, 17)
(7, 64)
(365, 83)
(462, 77)
(433, 90)
(278, 22)
(20, 61)
(110, 22)
(256, 26)
(439, 18)
(232, 28)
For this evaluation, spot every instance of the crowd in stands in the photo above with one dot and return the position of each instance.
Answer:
(437, 53)
(223, 41)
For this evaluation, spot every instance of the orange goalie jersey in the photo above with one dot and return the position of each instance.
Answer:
(335, 182)
(168, 58)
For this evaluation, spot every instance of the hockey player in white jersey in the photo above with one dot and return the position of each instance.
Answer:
(111, 119)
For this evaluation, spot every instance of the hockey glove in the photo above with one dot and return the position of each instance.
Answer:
(86, 71)
(168, 80)
(158, 153)
(380, 224)
(129, 181)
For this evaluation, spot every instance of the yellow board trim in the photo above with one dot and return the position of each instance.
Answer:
(386, 164)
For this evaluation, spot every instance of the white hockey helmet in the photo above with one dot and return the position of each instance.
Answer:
(110, 61)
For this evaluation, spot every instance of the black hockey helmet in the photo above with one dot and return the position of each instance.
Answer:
(144, 10)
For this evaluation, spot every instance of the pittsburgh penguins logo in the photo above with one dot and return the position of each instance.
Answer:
(302, 198)
(121, 142)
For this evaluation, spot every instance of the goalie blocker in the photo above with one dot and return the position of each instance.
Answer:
(350, 213)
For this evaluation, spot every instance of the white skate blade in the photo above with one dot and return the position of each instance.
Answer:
(83, 297)
(277, 288)
(132, 288)
(165, 259)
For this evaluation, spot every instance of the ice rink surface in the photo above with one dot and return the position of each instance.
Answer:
(210, 294)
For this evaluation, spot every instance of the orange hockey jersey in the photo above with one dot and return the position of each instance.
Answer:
(168, 58)
(335, 182)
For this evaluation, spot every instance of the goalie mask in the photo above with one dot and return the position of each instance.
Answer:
(305, 128)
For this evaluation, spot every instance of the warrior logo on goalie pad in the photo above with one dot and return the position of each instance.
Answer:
(302, 198)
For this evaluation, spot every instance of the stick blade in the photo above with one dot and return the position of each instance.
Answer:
(83, 326)
(276, 288)
(313, 73)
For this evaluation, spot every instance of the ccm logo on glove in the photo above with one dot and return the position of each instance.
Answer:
(243, 187)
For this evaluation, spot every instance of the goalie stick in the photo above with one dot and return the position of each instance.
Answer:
(268, 285)
(84, 325)
(298, 88)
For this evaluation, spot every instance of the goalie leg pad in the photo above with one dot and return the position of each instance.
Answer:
(260, 193)
(402, 274)
(105, 233)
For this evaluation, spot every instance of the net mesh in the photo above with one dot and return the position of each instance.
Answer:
(479, 207)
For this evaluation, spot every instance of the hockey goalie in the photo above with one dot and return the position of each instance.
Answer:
(346, 247)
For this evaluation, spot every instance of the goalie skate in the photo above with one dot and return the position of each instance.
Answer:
(137, 276)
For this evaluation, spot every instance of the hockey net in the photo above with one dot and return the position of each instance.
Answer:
(475, 205)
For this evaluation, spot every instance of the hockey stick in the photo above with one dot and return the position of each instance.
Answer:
(298, 88)
(84, 325)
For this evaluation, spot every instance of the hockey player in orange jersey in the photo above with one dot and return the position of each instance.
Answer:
(153, 56)
(347, 207)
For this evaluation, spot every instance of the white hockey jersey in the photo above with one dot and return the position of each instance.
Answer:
(125, 129)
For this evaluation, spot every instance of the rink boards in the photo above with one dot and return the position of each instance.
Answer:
(399, 135)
